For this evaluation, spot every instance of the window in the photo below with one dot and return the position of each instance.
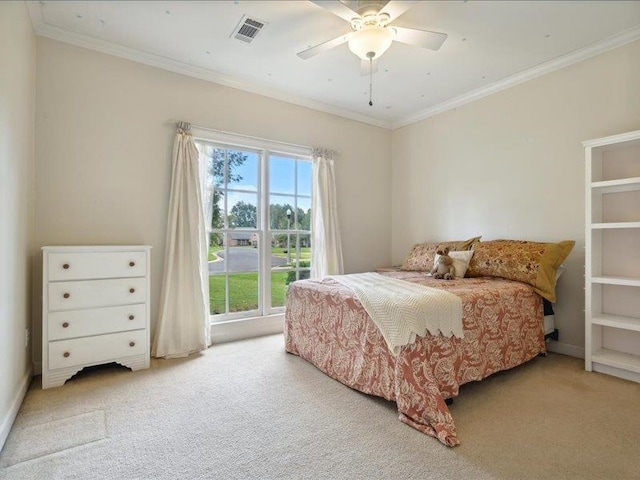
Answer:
(289, 222)
(260, 238)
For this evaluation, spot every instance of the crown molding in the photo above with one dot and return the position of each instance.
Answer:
(56, 33)
(597, 48)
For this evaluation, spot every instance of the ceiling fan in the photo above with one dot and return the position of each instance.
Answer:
(371, 30)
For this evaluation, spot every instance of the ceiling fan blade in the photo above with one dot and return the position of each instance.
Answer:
(337, 8)
(420, 38)
(364, 66)
(323, 47)
(395, 8)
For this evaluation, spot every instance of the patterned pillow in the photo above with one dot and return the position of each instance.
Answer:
(422, 255)
(534, 263)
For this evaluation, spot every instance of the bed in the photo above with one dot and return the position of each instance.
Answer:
(503, 327)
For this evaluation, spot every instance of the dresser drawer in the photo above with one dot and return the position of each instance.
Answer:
(98, 349)
(88, 265)
(96, 321)
(96, 293)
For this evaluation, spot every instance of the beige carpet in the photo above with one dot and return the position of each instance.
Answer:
(248, 410)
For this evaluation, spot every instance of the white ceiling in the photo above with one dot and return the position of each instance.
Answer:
(491, 45)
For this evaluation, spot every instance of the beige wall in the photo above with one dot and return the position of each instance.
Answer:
(17, 110)
(105, 132)
(512, 166)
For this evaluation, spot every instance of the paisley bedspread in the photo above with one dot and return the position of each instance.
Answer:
(503, 327)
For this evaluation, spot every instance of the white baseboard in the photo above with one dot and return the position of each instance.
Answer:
(248, 328)
(7, 421)
(565, 349)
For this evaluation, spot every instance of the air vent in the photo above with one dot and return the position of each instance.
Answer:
(248, 29)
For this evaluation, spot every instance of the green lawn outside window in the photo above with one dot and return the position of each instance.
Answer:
(243, 291)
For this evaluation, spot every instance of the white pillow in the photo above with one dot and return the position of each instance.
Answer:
(460, 262)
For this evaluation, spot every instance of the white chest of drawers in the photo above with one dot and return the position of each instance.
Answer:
(95, 309)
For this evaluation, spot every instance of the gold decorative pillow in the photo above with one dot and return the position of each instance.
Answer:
(534, 263)
(422, 255)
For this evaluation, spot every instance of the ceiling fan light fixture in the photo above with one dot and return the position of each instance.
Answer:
(370, 38)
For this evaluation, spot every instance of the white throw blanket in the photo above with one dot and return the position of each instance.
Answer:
(402, 310)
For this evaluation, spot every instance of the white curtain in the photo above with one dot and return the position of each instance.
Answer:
(326, 251)
(183, 323)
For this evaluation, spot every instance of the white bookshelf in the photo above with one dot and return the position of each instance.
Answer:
(612, 257)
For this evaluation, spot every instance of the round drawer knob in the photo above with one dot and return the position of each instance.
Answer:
(65, 325)
(132, 344)
(66, 295)
(66, 354)
(131, 290)
(131, 317)
(132, 264)
(65, 266)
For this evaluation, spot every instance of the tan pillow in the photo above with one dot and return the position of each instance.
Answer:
(422, 255)
(534, 263)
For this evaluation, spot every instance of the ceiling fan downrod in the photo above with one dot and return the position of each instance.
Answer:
(371, 55)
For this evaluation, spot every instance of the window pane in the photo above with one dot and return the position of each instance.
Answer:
(304, 203)
(215, 244)
(302, 216)
(279, 206)
(282, 174)
(304, 220)
(219, 214)
(217, 254)
(217, 294)
(304, 178)
(302, 251)
(243, 170)
(242, 254)
(243, 210)
(243, 292)
(303, 274)
(216, 165)
(280, 280)
(279, 251)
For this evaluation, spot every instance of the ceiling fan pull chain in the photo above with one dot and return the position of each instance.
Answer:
(370, 80)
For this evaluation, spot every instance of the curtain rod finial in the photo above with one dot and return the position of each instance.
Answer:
(185, 126)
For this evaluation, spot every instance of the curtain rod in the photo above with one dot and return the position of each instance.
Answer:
(248, 137)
